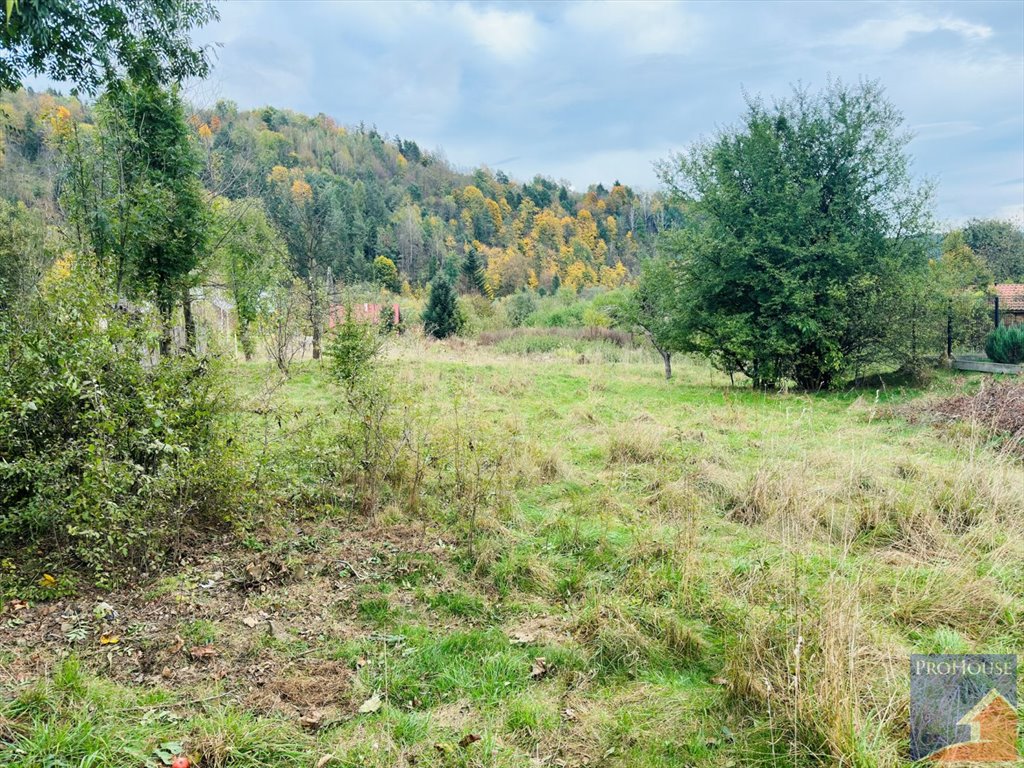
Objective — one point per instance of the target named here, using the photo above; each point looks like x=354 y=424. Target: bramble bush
x=1005 y=344
x=106 y=457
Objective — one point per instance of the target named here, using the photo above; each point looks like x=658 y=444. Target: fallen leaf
x=18 y=605
x=108 y=638
x=166 y=673
x=177 y=645
x=255 y=571
x=522 y=638
x=324 y=760
x=47 y=582
x=469 y=738
x=372 y=704
x=719 y=681
x=203 y=652
x=569 y=713
x=539 y=668
x=311 y=721
x=250 y=621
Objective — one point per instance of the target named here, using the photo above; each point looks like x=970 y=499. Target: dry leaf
x=250 y=621
x=177 y=645
x=468 y=739
x=569 y=713
x=522 y=638
x=719 y=681
x=108 y=638
x=372 y=704
x=324 y=760
x=18 y=605
x=166 y=673
x=539 y=668
x=312 y=720
x=203 y=652
x=47 y=582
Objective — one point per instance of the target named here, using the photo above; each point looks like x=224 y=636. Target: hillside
x=383 y=195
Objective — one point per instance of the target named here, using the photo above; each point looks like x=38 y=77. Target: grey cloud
x=596 y=92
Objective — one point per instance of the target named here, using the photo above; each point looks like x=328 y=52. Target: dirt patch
x=544 y=630
x=254 y=620
x=303 y=687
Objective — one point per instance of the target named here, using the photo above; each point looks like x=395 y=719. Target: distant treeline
x=365 y=194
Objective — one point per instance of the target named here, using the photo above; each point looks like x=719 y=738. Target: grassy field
x=567 y=561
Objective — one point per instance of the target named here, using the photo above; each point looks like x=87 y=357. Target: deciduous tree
x=92 y=42
x=805 y=218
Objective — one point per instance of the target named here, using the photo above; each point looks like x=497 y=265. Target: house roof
x=1011 y=296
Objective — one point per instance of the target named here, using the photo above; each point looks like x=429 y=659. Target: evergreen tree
x=473 y=271
x=441 y=318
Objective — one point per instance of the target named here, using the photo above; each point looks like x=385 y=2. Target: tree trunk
x=245 y=339
x=667 y=359
x=190 y=320
x=166 y=330
x=316 y=340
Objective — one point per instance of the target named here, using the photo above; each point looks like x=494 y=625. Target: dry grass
x=639 y=442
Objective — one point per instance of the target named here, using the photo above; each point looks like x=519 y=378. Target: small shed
x=1009 y=303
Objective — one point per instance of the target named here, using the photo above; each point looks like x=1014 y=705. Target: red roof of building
x=1011 y=296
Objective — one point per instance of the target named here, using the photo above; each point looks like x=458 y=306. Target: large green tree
x=133 y=198
x=251 y=255
x=302 y=206
x=91 y=42
x=162 y=167
x=805 y=224
x=1000 y=244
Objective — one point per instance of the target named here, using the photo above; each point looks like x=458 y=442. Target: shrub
x=107 y=457
x=1006 y=344
x=352 y=349
x=385 y=274
x=520 y=307
x=370 y=441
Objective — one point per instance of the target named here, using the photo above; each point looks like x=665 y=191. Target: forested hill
x=367 y=194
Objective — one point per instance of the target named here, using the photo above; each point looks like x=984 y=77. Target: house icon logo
x=993 y=724
x=963 y=709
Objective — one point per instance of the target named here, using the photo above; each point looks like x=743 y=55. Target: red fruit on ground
x=180 y=762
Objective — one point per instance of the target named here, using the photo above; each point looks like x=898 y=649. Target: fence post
x=997 y=311
x=949 y=330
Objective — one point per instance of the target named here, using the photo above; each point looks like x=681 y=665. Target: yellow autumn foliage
x=302 y=193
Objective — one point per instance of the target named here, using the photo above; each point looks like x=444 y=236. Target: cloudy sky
x=596 y=92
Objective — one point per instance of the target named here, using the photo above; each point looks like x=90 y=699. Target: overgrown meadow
x=535 y=557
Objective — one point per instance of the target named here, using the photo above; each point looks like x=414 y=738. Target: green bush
x=520 y=307
x=1006 y=344
x=106 y=456
x=352 y=347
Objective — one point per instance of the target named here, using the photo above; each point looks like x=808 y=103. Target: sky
x=597 y=92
